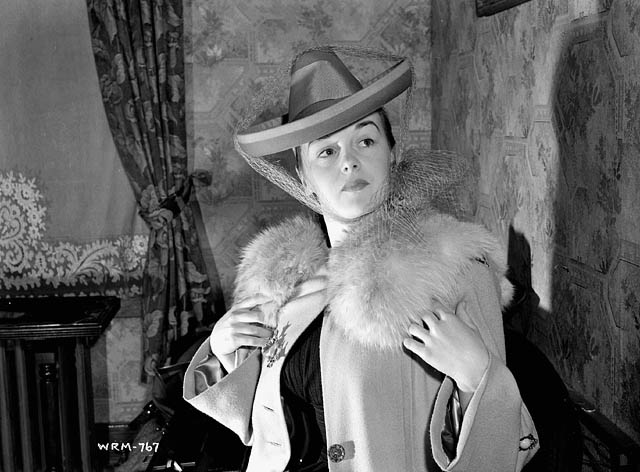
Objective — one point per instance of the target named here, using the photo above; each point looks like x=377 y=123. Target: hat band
x=316 y=107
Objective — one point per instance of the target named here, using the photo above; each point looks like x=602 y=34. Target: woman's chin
x=350 y=206
x=353 y=211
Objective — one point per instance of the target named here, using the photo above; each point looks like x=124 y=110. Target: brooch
x=276 y=347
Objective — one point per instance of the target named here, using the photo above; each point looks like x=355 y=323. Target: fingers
x=251 y=335
x=429 y=318
x=462 y=313
x=242 y=325
x=244 y=329
x=229 y=338
x=414 y=346
x=251 y=315
x=251 y=341
x=253 y=301
x=439 y=310
x=418 y=332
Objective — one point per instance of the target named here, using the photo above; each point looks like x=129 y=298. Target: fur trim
x=378 y=288
x=379 y=280
x=278 y=259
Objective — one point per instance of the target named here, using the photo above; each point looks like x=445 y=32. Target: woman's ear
x=300 y=172
x=305 y=185
x=297 y=151
x=300 y=175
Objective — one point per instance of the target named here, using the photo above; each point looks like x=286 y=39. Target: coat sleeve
x=497 y=432
x=226 y=398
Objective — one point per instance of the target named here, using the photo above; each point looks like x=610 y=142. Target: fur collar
x=379 y=281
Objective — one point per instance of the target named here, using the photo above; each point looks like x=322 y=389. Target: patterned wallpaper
x=545 y=97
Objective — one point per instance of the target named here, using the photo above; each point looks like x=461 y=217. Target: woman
x=386 y=351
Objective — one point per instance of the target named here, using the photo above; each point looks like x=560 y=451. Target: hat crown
x=318 y=79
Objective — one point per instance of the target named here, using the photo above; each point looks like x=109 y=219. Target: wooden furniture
x=607 y=447
x=46 y=399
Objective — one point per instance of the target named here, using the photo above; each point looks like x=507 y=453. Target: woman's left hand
x=450 y=345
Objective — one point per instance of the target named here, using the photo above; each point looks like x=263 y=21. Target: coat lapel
x=270 y=429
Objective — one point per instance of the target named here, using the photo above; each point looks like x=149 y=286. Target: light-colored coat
x=384 y=408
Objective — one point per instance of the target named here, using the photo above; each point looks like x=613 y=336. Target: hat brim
x=330 y=119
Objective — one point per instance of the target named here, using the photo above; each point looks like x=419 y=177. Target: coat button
x=336 y=453
x=528 y=442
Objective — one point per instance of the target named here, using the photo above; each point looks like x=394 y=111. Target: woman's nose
x=350 y=163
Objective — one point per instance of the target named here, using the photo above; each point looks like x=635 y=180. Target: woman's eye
x=328 y=152
x=366 y=142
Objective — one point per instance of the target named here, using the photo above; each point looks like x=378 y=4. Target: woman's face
x=349 y=169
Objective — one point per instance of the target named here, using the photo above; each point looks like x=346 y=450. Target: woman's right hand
x=241 y=326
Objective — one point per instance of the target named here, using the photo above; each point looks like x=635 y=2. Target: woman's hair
x=386 y=129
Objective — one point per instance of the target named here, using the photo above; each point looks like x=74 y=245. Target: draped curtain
x=138 y=52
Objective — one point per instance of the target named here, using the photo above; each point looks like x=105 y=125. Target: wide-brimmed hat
x=324 y=97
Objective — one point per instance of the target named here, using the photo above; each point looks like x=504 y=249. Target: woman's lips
x=355 y=185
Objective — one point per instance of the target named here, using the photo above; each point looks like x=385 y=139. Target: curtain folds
x=138 y=51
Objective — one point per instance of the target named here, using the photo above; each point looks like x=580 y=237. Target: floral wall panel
x=233 y=48
x=69 y=222
x=35 y=264
x=549 y=109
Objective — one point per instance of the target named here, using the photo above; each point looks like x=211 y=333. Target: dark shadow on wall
x=580 y=335
x=542 y=389
x=585 y=209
